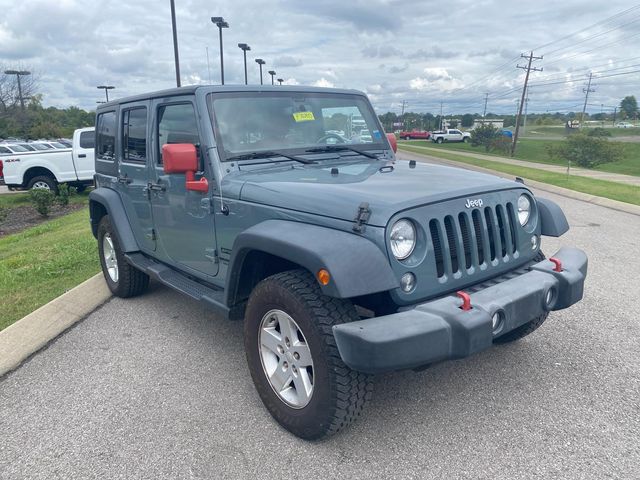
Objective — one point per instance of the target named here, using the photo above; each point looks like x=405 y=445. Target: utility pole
x=526 y=107
x=404 y=105
x=486 y=99
x=440 y=116
x=528 y=68
x=18 y=74
x=615 y=110
x=586 y=97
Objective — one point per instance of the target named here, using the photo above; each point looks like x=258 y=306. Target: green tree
x=485 y=135
x=629 y=107
x=586 y=151
x=467 y=120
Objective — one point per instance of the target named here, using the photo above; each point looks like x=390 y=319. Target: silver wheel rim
x=110 y=260
x=286 y=358
x=42 y=185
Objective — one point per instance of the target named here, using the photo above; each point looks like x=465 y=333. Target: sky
x=422 y=52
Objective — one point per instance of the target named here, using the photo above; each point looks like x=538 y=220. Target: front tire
x=122 y=279
x=293 y=358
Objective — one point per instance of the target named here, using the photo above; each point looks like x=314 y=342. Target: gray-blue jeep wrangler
x=286 y=207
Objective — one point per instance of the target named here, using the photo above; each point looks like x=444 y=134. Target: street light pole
x=219 y=21
x=280 y=80
x=272 y=73
x=18 y=74
x=175 y=43
x=106 y=89
x=260 y=62
x=244 y=47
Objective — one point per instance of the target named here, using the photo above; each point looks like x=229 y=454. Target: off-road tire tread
x=353 y=390
x=529 y=327
x=131 y=281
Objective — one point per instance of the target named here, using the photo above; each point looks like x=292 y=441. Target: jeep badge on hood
x=473 y=203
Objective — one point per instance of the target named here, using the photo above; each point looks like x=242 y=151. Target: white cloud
x=323 y=82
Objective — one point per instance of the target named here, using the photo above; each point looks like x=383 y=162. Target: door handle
x=126 y=180
x=82 y=155
x=156 y=187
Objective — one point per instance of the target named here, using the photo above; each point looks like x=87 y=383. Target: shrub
x=599 y=132
x=586 y=151
x=485 y=135
x=65 y=192
x=4 y=213
x=42 y=200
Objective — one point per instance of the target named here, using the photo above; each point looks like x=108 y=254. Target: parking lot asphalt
x=158 y=387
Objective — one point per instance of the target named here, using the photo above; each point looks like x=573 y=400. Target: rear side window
x=87 y=139
x=134 y=135
x=4 y=150
x=106 y=135
x=177 y=124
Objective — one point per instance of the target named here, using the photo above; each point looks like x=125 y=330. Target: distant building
x=496 y=122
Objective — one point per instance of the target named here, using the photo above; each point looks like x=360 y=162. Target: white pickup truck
x=450 y=135
x=46 y=169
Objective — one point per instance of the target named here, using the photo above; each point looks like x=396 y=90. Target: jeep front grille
x=480 y=238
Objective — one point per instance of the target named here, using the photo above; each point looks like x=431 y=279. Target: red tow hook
x=466 y=300
x=557 y=264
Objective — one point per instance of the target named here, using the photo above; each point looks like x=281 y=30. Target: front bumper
x=440 y=330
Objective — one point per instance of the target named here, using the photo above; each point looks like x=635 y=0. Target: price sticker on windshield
x=303 y=116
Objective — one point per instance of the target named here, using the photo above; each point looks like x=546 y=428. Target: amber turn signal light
x=323 y=276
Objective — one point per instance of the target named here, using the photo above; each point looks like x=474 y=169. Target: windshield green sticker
x=303 y=116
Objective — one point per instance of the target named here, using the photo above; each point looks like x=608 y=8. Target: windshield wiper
x=341 y=148
x=256 y=155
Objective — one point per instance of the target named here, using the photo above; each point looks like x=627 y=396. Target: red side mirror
x=183 y=158
x=393 y=141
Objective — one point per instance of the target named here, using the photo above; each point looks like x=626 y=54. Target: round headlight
x=524 y=209
x=402 y=238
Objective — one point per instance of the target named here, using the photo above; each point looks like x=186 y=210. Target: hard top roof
x=191 y=89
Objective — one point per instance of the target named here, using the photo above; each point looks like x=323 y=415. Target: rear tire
x=308 y=391
x=44 y=182
x=439 y=140
x=529 y=327
x=122 y=279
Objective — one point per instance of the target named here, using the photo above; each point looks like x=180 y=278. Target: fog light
x=408 y=282
x=549 y=298
x=496 y=321
x=534 y=242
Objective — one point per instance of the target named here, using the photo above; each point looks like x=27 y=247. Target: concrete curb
x=33 y=332
x=565 y=192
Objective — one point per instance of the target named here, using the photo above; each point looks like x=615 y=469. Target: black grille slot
x=488 y=215
x=437 y=247
x=466 y=238
x=478 y=227
x=451 y=238
x=502 y=227
x=512 y=223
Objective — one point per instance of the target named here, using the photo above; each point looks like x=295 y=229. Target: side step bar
x=171 y=278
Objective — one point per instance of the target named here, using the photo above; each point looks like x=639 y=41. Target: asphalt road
x=157 y=387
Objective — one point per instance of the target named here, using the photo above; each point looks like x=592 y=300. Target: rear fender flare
x=356 y=265
x=104 y=199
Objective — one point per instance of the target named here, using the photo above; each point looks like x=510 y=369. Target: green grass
x=532 y=150
x=601 y=188
x=42 y=262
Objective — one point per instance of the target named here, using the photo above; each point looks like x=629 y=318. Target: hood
x=387 y=187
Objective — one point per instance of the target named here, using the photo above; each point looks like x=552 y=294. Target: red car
x=421 y=134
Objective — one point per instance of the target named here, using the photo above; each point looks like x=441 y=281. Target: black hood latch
x=362 y=216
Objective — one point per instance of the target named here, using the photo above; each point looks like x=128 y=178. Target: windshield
x=274 y=121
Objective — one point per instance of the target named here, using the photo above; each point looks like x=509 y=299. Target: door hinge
x=211 y=254
x=362 y=216
x=151 y=235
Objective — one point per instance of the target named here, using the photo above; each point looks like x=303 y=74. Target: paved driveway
x=157 y=387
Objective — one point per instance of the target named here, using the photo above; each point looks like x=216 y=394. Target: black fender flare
x=110 y=201
x=356 y=265
x=552 y=220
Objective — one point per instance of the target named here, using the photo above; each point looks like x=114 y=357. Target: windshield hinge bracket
x=362 y=216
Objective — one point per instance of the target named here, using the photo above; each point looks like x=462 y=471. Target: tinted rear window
x=87 y=139
x=106 y=135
